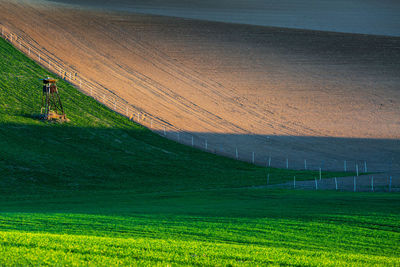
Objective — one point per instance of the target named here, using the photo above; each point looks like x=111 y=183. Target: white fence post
x=365 y=166
x=305 y=164
x=336 y=183
x=372 y=183
x=253 y=158
x=390 y=184
x=357 y=168
x=192 y=141
x=294 y=182
x=269 y=161
x=320 y=173
x=345 y=166
x=287 y=163
x=355 y=186
x=237 y=153
x=316 y=184
x=206 y=145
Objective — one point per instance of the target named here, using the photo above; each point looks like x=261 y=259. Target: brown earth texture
x=291 y=95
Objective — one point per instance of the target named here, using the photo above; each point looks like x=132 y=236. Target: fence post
x=390 y=184
x=372 y=184
x=345 y=166
x=294 y=182
x=336 y=183
x=253 y=158
x=237 y=153
x=305 y=164
x=206 y=145
x=357 y=169
x=316 y=184
x=355 y=186
x=287 y=163
x=320 y=173
x=365 y=166
x=269 y=161
x=192 y=141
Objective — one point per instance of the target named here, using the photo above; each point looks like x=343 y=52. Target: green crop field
x=101 y=190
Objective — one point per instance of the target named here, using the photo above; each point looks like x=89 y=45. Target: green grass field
x=101 y=190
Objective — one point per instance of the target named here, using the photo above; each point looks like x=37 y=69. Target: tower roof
x=49 y=80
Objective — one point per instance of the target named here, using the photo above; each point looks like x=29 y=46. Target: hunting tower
x=52 y=108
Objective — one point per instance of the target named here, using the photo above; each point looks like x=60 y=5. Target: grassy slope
x=103 y=190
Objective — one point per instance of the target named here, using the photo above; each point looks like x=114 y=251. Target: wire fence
x=364 y=183
x=32 y=49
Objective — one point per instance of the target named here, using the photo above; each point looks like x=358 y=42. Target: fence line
x=101 y=94
x=365 y=183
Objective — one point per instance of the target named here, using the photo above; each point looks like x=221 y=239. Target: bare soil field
x=351 y=16
x=298 y=94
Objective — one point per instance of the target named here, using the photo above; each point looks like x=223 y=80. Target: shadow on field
x=300 y=152
x=49 y=156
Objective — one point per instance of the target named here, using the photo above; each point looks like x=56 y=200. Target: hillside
x=101 y=190
x=99 y=149
x=356 y=16
x=321 y=96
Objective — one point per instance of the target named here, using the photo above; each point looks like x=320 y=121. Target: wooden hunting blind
x=52 y=108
